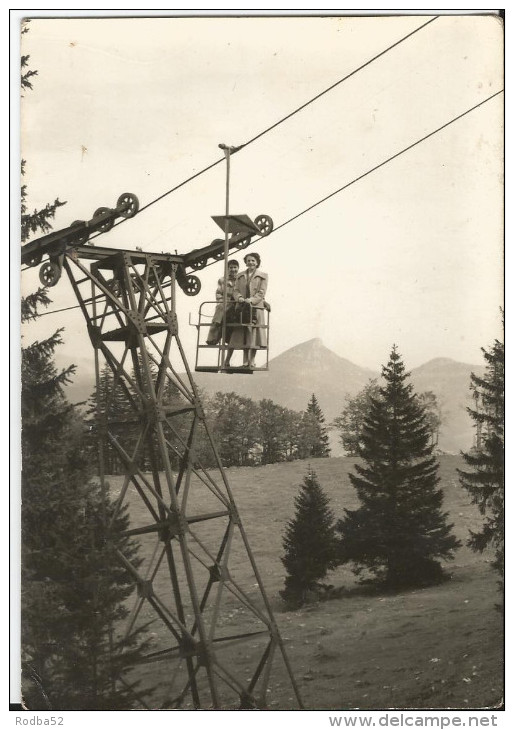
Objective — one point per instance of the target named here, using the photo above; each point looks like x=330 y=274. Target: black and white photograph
x=262 y=362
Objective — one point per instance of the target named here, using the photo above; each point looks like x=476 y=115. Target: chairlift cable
x=352 y=182
x=345 y=78
x=280 y=121
x=389 y=159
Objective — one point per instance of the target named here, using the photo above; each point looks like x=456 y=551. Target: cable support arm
x=77 y=234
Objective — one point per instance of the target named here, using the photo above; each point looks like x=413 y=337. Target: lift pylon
x=219 y=645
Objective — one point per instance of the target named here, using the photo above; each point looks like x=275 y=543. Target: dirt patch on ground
x=439 y=647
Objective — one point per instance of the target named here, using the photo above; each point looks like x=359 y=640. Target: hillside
x=438 y=647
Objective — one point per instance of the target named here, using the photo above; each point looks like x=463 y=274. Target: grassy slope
x=431 y=648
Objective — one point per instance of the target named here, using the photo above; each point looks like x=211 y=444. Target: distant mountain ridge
x=450 y=381
x=310 y=367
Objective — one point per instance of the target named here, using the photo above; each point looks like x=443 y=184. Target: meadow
x=437 y=647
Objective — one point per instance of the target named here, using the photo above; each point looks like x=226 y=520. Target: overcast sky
x=411 y=254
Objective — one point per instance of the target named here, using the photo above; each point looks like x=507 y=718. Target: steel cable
x=352 y=182
x=280 y=121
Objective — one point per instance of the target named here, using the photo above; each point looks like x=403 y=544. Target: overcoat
x=253 y=288
x=218 y=314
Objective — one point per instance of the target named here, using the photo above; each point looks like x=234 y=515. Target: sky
x=412 y=254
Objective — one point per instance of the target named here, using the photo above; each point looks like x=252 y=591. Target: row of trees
x=250 y=433
x=245 y=432
x=399 y=534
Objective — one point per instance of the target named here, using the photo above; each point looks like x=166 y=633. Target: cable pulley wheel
x=244 y=243
x=35 y=259
x=127 y=205
x=200 y=264
x=114 y=287
x=265 y=224
x=49 y=273
x=82 y=237
x=192 y=285
x=218 y=255
x=107 y=224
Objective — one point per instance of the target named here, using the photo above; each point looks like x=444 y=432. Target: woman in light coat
x=250 y=289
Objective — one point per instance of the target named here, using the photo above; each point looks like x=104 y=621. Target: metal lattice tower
x=223 y=640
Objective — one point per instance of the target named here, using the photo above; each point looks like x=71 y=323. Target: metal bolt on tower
x=218 y=638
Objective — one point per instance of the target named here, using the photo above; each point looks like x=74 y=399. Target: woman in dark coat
x=250 y=289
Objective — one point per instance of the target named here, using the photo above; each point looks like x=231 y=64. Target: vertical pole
x=225 y=268
x=100 y=421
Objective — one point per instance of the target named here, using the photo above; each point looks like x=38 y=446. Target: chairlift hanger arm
x=241 y=228
x=76 y=236
x=74 y=239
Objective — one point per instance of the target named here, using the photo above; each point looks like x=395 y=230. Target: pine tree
x=72 y=591
x=486 y=480
x=314 y=439
x=350 y=421
x=105 y=400
x=46 y=467
x=72 y=587
x=309 y=542
x=399 y=531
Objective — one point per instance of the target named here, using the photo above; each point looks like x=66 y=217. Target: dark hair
x=255 y=256
x=233 y=261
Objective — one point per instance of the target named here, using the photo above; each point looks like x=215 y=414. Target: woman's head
x=252 y=260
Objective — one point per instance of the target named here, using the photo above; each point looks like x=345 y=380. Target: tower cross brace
x=151 y=421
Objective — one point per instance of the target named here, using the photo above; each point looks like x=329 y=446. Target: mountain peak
x=440 y=361
x=446 y=364
x=315 y=344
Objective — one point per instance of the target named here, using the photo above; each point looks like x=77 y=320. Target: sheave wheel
x=49 y=274
x=82 y=237
x=221 y=253
x=129 y=205
x=192 y=285
x=200 y=264
x=265 y=224
x=244 y=243
x=35 y=259
x=107 y=224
